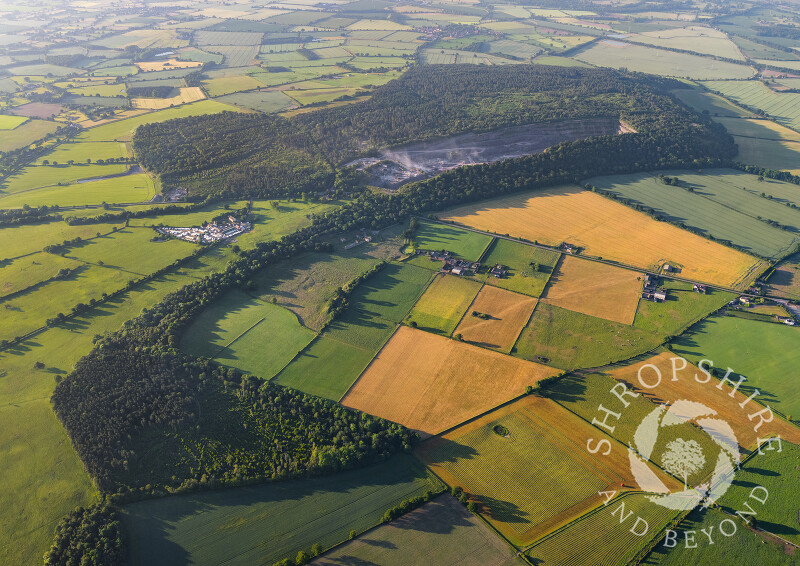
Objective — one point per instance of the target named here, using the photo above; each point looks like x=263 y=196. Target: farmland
x=715 y=397
x=441 y=528
x=43 y=176
x=578 y=543
x=240 y=525
x=595 y=289
x=588 y=220
x=785 y=280
x=495 y=318
x=27 y=133
x=464 y=244
x=445 y=383
x=542 y=441
x=11 y=122
x=724 y=204
x=29 y=270
x=618 y=54
x=444 y=303
x=528 y=268
x=80 y=152
x=783 y=107
x=699 y=39
x=716 y=106
x=761 y=351
x=184 y=96
x=123 y=189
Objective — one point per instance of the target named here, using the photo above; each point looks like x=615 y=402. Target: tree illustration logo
x=683 y=458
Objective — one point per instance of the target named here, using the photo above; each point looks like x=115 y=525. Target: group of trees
x=28 y=215
x=89 y=536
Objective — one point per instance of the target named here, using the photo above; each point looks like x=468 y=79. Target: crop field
x=586 y=219
x=444 y=303
x=29 y=270
x=230 y=84
x=235 y=55
x=37 y=110
x=442 y=528
x=128 y=188
x=452 y=56
x=184 y=96
x=227 y=38
x=123 y=129
x=784 y=107
x=26 y=134
x=763 y=352
x=538 y=441
x=688 y=387
x=80 y=152
x=378 y=305
x=579 y=543
x=618 y=54
x=431 y=383
x=326 y=368
x=699 y=39
x=529 y=268
x=463 y=243
x=757 y=548
x=722 y=204
x=508 y=312
x=596 y=289
x=757 y=128
x=263 y=101
x=263 y=524
x=44 y=176
x=770 y=154
x=778 y=473
x=169 y=64
x=11 y=122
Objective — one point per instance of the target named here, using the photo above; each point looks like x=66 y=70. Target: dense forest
x=268 y=156
x=89 y=536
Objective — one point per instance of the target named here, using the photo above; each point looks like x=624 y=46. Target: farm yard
x=445 y=381
x=596 y=289
x=590 y=221
x=495 y=318
x=538 y=441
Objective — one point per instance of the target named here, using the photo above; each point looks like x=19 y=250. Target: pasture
x=167 y=64
x=724 y=204
x=263 y=101
x=528 y=268
x=22 y=240
x=378 y=305
x=544 y=445
x=123 y=189
x=265 y=523
x=442 y=528
x=688 y=387
x=80 y=152
x=444 y=382
x=596 y=289
x=784 y=106
x=444 y=303
x=770 y=154
x=618 y=54
x=34 y=177
x=700 y=39
x=220 y=86
x=30 y=270
x=495 y=318
x=463 y=243
x=599 y=538
x=586 y=219
x=26 y=134
x=326 y=368
x=763 y=352
x=701 y=101
x=11 y=122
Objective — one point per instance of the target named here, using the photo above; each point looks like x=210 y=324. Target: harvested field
x=586 y=219
x=596 y=289
x=507 y=314
x=710 y=394
x=430 y=383
x=544 y=445
x=169 y=64
x=442 y=528
x=444 y=303
x=186 y=95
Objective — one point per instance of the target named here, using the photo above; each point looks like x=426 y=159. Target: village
x=207 y=234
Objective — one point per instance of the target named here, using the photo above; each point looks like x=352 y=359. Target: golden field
x=508 y=314
x=187 y=94
x=147 y=66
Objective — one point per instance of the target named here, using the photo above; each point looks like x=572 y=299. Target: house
x=667 y=268
x=569 y=248
x=498 y=271
x=789 y=321
x=699 y=288
x=745 y=301
x=456 y=271
x=660 y=295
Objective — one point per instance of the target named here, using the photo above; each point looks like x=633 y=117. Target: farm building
x=652 y=291
x=498 y=271
x=698 y=288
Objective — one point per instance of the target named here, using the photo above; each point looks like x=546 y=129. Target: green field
x=263 y=101
x=445 y=301
x=702 y=101
x=11 y=122
x=30 y=270
x=123 y=129
x=784 y=107
x=765 y=353
x=724 y=204
x=80 y=152
x=326 y=368
x=123 y=189
x=44 y=176
x=599 y=538
x=463 y=243
x=22 y=240
x=442 y=528
x=770 y=154
x=27 y=133
x=378 y=305
x=517 y=258
x=571 y=340
x=699 y=39
x=265 y=523
x=778 y=473
x=618 y=54
x=724 y=551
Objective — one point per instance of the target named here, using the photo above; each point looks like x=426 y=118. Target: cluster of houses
x=652 y=291
x=207 y=234
x=450 y=263
x=362 y=237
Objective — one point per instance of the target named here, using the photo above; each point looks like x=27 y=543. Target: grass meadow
x=27 y=271
x=265 y=523
x=517 y=259
x=81 y=151
x=44 y=176
x=26 y=134
x=23 y=240
x=124 y=189
x=463 y=243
